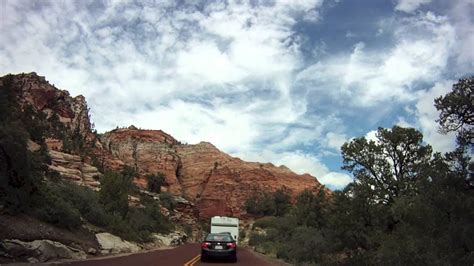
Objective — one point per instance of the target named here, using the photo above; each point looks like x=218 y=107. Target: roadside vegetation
x=28 y=187
x=406 y=206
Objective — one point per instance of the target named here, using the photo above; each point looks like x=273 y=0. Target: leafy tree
x=282 y=200
x=114 y=191
x=18 y=176
x=457 y=110
x=457 y=115
x=20 y=169
x=155 y=182
x=310 y=208
x=268 y=203
x=389 y=166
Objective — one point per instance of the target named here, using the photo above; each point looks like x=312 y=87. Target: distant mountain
x=217 y=183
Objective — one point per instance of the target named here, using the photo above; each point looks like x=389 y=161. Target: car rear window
x=223 y=237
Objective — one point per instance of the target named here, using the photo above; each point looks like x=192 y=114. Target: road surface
x=186 y=255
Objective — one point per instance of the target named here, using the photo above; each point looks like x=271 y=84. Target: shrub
x=256 y=239
x=268 y=203
x=266 y=222
x=51 y=207
x=155 y=182
x=86 y=201
x=167 y=201
x=114 y=191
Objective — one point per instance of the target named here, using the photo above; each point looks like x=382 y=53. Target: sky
x=286 y=82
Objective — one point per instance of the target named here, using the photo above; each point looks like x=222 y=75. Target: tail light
x=205 y=244
x=231 y=245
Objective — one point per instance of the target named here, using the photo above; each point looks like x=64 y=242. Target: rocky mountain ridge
x=214 y=181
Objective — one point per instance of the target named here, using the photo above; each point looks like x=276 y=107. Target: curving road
x=186 y=255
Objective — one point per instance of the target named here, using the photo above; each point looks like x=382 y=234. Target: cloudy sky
x=286 y=82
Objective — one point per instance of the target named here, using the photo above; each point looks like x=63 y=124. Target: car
x=219 y=246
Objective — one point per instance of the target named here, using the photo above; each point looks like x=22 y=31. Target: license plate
x=218 y=247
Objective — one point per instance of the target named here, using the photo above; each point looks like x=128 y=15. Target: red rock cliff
x=216 y=182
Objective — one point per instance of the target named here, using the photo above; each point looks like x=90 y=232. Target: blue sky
x=286 y=82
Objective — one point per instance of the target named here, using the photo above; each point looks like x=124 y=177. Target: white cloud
x=426 y=115
x=335 y=140
x=410 y=5
x=372 y=135
x=369 y=77
x=461 y=17
x=336 y=180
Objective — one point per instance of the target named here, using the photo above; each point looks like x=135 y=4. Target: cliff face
x=63 y=117
x=220 y=184
x=34 y=91
x=217 y=183
x=149 y=151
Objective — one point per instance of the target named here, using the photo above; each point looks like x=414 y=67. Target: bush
x=268 y=203
x=167 y=201
x=114 y=191
x=86 y=201
x=256 y=239
x=266 y=222
x=51 y=207
x=155 y=182
x=140 y=223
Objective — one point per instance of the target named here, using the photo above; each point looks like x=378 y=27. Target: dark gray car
x=219 y=246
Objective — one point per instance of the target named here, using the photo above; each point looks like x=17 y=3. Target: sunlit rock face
x=148 y=151
x=220 y=184
x=213 y=181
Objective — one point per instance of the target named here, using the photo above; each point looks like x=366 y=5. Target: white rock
x=113 y=244
x=40 y=250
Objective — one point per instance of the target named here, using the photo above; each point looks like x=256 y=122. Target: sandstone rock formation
x=217 y=182
x=71 y=167
x=149 y=151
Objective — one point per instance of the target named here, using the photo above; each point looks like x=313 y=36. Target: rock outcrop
x=39 y=250
x=36 y=92
x=111 y=244
x=172 y=239
x=149 y=151
x=72 y=168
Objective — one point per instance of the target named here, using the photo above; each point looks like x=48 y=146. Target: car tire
x=203 y=258
x=234 y=259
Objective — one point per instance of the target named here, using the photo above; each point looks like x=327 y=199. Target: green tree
x=457 y=115
x=389 y=166
x=310 y=208
x=18 y=177
x=114 y=191
x=282 y=201
x=268 y=203
x=154 y=182
x=20 y=169
x=457 y=110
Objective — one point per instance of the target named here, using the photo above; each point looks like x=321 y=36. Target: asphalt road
x=186 y=255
